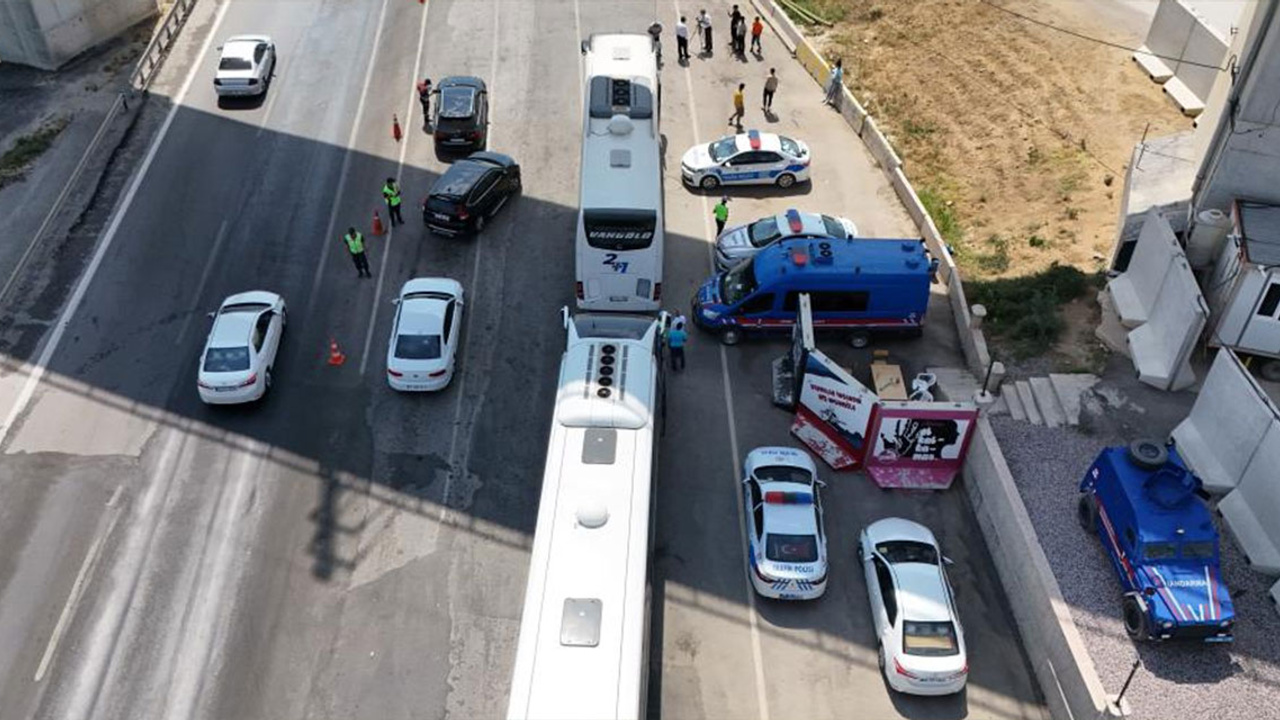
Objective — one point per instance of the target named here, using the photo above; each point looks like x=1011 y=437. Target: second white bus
x=619 y=235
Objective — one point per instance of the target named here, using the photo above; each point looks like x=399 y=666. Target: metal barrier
x=159 y=46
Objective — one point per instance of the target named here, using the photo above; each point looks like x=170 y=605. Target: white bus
x=619 y=237
x=584 y=635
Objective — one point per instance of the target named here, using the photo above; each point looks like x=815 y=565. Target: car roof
x=920 y=592
x=422 y=316
x=894 y=528
x=242 y=45
x=1184 y=520
x=789 y=518
x=460 y=177
x=232 y=329
x=768 y=141
x=485 y=156
x=888 y=260
x=810 y=223
x=461 y=81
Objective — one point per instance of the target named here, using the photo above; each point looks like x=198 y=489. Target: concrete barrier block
x=1227 y=422
x=1183 y=97
x=1252 y=510
x=1170 y=28
x=853 y=112
x=879 y=146
x=1155 y=68
x=1134 y=291
x=1198 y=65
x=1161 y=348
x=812 y=62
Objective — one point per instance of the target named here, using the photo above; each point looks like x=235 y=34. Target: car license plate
x=440 y=216
x=619 y=298
x=224 y=389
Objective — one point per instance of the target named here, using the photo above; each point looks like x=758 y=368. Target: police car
x=750 y=158
x=786 y=541
x=738 y=243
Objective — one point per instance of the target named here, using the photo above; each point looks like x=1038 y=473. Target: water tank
x=1206 y=238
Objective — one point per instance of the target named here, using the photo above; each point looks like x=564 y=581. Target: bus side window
x=760 y=303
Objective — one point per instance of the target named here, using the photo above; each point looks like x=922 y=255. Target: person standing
x=740 y=39
x=676 y=338
x=835 y=82
x=704 y=28
x=757 y=29
x=770 y=87
x=735 y=22
x=391 y=193
x=739 y=107
x=721 y=212
x=424 y=97
x=355 y=245
x=682 y=41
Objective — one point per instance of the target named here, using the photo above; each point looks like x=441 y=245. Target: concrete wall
x=1062 y=664
x=1161 y=348
x=1134 y=291
x=1185 y=42
x=1252 y=510
x=48 y=33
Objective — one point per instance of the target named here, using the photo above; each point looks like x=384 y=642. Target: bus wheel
x=859 y=339
x=731 y=336
x=786 y=180
x=710 y=182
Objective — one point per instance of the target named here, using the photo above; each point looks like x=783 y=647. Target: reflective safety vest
x=392 y=194
x=721 y=211
x=355 y=243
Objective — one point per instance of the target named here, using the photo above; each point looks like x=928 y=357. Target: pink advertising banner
x=918 y=445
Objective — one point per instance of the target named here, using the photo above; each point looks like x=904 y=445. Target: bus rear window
x=619 y=229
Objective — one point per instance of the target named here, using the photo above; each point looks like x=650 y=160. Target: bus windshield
x=619 y=229
x=738 y=283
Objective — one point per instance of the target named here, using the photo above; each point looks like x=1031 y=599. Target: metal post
x=1124 y=688
x=987 y=379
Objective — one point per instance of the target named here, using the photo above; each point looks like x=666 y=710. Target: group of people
x=354 y=239
x=737 y=34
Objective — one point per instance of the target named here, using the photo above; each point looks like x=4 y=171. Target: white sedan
x=246 y=66
x=750 y=158
x=786 y=541
x=920 y=642
x=738 y=243
x=424 y=336
x=235 y=366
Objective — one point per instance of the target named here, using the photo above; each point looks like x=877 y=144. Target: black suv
x=462 y=114
x=470 y=192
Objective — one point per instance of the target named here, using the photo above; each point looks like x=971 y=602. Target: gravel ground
x=1236 y=682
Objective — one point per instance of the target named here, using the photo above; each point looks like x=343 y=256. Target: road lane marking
x=753 y=615
x=346 y=166
x=87 y=567
x=204 y=278
x=404 y=148
x=82 y=286
x=454 y=461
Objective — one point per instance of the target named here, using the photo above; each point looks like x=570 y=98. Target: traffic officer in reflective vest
x=391 y=193
x=355 y=244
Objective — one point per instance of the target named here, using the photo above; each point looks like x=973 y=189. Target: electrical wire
x=1100 y=41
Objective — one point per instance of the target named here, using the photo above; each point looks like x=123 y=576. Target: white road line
x=329 y=238
x=82 y=286
x=204 y=278
x=471 y=288
x=404 y=149
x=753 y=615
x=77 y=588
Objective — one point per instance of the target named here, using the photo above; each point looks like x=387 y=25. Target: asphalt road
x=343 y=551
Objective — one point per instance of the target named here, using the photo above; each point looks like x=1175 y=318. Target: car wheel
x=880 y=657
x=1270 y=370
x=1135 y=620
x=1087 y=512
x=481 y=221
x=710 y=182
x=786 y=180
x=731 y=336
x=859 y=339
x=1148 y=454
x=266 y=382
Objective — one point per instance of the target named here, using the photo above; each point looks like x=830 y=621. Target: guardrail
x=159 y=46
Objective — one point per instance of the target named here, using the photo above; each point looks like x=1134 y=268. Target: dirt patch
x=1021 y=132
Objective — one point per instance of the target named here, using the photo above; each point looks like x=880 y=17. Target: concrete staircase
x=1053 y=401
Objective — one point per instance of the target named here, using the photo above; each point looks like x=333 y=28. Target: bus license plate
x=619 y=298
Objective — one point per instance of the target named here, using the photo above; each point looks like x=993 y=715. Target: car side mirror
x=211 y=314
x=394 y=301
x=586 y=45
x=821 y=484
x=948 y=560
x=219 y=48
x=564 y=316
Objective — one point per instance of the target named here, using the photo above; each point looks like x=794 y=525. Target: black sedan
x=470 y=192
x=461 y=114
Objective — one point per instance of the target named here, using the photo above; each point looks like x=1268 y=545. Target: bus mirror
x=564 y=316
x=586 y=45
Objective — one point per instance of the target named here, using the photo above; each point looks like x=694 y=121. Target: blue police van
x=856 y=286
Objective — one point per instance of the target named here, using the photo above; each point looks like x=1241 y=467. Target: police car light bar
x=794 y=221
x=754 y=137
x=782 y=497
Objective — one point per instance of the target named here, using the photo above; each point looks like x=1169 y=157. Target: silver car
x=736 y=244
x=245 y=67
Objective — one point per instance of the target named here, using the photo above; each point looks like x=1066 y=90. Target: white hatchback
x=424 y=336
x=786 y=541
x=920 y=642
x=246 y=66
x=236 y=364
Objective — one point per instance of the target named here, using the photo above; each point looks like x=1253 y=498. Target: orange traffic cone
x=395 y=128
x=335 y=355
x=377 y=224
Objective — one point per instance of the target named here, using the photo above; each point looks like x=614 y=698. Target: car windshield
x=764 y=231
x=783 y=473
x=418 y=347
x=457 y=102
x=235 y=63
x=834 y=227
x=929 y=638
x=908 y=551
x=1199 y=550
x=226 y=359
x=738 y=283
x=791 y=548
x=1159 y=551
x=789 y=146
x=723 y=149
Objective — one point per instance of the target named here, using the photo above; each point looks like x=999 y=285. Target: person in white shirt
x=704 y=27
x=682 y=41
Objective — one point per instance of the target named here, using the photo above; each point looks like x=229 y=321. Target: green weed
x=27 y=148
x=1025 y=310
